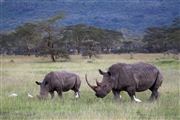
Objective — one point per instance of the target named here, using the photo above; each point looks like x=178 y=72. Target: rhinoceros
x=131 y=78
x=60 y=82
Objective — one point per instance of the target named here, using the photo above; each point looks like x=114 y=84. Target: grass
x=20 y=75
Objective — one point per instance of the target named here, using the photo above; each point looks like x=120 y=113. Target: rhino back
x=61 y=80
x=140 y=75
x=68 y=80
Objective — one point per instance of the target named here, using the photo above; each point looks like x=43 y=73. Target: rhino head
x=102 y=88
x=43 y=90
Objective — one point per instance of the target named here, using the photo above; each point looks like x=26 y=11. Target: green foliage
x=104 y=39
x=90 y=48
x=27 y=36
x=7 y=41
x=51 y=42
x=159 y=39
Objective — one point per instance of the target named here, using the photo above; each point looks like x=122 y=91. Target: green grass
x=20 y=76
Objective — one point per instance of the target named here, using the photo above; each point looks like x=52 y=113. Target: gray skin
x=131 y=78
x=59 y=82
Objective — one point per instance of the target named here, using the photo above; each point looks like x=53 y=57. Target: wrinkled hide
x=129 y=77
x=59 y=82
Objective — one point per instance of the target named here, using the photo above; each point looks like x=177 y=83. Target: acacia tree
x=7 y=42
x=81 y=34
x=78 y=36
x=173 y=34
x=90 y=48
x=159 y=39
x=26 y=37
x=51 y=39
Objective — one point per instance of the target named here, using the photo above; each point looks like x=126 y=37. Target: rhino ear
x=101 y=72
x=38 y=83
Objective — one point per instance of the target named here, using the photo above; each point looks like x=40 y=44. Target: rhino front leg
x=52 y=94
x=60 y=94
x=116 y=94
x=131 y=93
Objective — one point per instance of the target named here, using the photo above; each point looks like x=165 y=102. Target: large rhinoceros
x=59 y=82
x=129 y=77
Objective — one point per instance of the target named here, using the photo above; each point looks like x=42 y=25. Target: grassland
x=19 y=73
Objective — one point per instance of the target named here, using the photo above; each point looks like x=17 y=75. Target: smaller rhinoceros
x=59 y=82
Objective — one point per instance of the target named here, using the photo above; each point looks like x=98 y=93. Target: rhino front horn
x=92 y=87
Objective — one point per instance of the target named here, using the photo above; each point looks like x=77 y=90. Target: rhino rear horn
x=38 y=83
x=101 y=72
x=92 y=87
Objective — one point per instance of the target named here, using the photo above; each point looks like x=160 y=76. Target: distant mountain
x=134 y=15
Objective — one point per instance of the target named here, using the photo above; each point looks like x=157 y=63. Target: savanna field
x=19 y=73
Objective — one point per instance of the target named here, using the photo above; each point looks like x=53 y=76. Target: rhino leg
x=77 y=95
x=116 y=94
x=60 y=94
x=76 y=89
x=76 y=92
x=52 y=94
x=154 y=95
x=131 y=93
x=155 y=87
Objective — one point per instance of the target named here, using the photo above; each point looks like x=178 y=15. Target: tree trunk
x=90 y=56
x=53 y=58
x=78 y=50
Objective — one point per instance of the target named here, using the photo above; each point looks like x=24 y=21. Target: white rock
x=13 y=95
x=30 y=96
x=136 y=99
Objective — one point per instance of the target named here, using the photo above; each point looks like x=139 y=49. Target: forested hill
x=135 y=15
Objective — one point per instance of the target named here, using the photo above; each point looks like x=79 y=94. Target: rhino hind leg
x=155 y=87
x=77 y=94
x=76 y=91
x=154 y=94
x=154 y=90
x=76 y=87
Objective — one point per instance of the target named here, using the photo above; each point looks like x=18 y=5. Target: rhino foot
x=77 y=95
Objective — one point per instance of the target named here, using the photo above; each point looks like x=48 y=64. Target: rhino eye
x=109 y=73
x=45 y=83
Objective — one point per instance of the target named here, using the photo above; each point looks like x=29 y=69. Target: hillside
x=134 y=15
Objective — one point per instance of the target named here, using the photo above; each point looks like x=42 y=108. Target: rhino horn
x=92 y=87
x=98 y=83
x=38 y=83
x=101 y=72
